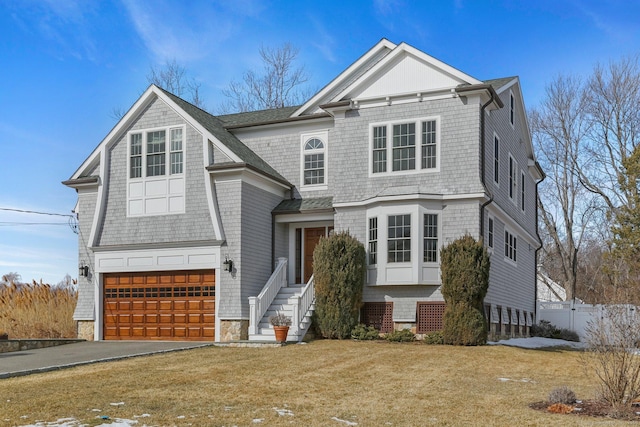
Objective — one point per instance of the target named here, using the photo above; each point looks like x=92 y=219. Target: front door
x=311 y=238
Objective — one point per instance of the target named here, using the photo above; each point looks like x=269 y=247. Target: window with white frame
x=379 y=149
x=399 y=238
x=522 y=190
x=314 y=161
x=490 y=232
x=512 y=108
x=496 y=159
x=156 y=171
x=405 y=147
x=430 y=238
x=510 y=246
x=373 y=241
x=513 y=179
x=429 y=144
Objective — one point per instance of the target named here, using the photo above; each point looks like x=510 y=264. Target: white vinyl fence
x=569 y=315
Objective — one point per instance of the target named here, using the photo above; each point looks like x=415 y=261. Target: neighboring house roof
x=499 y=83
x=549 y=290
x=304 y=205
x=253 y=117
x=217 y=129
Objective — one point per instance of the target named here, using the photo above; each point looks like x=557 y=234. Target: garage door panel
x=161 y=306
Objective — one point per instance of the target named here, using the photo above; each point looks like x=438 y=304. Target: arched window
x=314 y=162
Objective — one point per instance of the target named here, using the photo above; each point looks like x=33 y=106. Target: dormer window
x=314 y=161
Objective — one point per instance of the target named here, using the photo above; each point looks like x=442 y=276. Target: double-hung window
x=510 y=246
x=522 y=191
x=156 y=155
x=399 y=238
x=430 y=238
x=404 y=147
x=490 y=233
x=496 y=159
x=373 y=241
x=512 y=109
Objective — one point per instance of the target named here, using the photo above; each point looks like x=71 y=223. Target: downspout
x=535 y=271
x=482 y=160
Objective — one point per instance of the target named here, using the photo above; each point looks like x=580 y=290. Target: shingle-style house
x=197 y=227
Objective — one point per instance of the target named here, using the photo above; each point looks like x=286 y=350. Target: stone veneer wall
x=234 y=330
x=85 y=329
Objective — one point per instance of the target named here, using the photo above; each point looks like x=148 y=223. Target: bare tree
x=11 y=278
x=173 y=77
x=278 y=85
x=566 y=209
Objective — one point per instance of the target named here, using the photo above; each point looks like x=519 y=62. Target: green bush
x=403 y=335
x=339 y=271
x=464 y=265
x=433 y=338
x=364 y=333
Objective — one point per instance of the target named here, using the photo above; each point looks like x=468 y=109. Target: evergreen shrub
x=339 y=271
x=464 y=265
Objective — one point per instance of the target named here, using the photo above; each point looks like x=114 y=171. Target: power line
x=35 y=212
x=9 y=224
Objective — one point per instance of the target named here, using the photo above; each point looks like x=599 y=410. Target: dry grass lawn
x=368 y=383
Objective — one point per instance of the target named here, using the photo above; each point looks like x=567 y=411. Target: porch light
x=83 y=270
x=227 y=265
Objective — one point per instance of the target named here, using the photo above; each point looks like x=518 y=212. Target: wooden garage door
x=170 y=305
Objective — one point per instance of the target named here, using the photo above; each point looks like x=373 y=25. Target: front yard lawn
x=318 y=384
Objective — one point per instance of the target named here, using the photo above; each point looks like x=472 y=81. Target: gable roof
x=216 y=127
x=197 y=117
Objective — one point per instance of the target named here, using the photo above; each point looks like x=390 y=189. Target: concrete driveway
x=27 y=362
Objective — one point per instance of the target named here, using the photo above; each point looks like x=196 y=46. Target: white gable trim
x=317 y=98
x=401 y=49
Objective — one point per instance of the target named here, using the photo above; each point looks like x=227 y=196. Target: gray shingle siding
x=256 y=224
x=85 y=309
x=194 y=225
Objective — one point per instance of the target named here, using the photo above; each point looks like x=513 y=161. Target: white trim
x=508 y=221
x=303 y=217
x=323 y=136
x=344 y=76
x=408 y=197
x=246 y=175
x=417 y=121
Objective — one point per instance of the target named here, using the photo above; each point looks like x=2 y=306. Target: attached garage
x=168 y=305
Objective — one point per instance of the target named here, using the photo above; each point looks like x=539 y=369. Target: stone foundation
x=85 y=329
x=233 y=330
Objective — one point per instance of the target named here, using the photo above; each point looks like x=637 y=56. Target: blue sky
x=67 y=64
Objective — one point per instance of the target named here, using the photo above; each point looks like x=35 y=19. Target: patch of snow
x=349 y=423
x=142 y=416
x=283 y=412
x=120 y=422
x=181 y=417
x=258 y=420
x=523 y=380
x=538 y=342
x=117 y=404
x=96 y=410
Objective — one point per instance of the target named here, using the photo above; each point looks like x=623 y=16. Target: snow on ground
x=538 y=342
x=533 y=342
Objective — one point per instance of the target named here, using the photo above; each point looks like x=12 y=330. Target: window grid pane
x=399 y=238
x=136 y=156
x=429 y=144
x=379 y=149
x=314 y=169
x=510 y=246
x=373 y=241
x=156 y=153
x=430 y=238
x=404 y=150
x=176 y=157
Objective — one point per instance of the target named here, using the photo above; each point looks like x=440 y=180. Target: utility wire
x=35 y=212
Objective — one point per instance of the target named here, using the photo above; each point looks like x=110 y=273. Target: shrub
x=562 y=395
x=339 y=269
x=403 y=335
x=611 y=354
x=363 y=333
x=546 y=329
x=465 y=279
x=433 y=338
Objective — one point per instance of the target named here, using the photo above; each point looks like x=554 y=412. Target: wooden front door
x=311 y=238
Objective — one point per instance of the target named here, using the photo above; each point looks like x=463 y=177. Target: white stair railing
x=301 y=306
x=259 y=305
